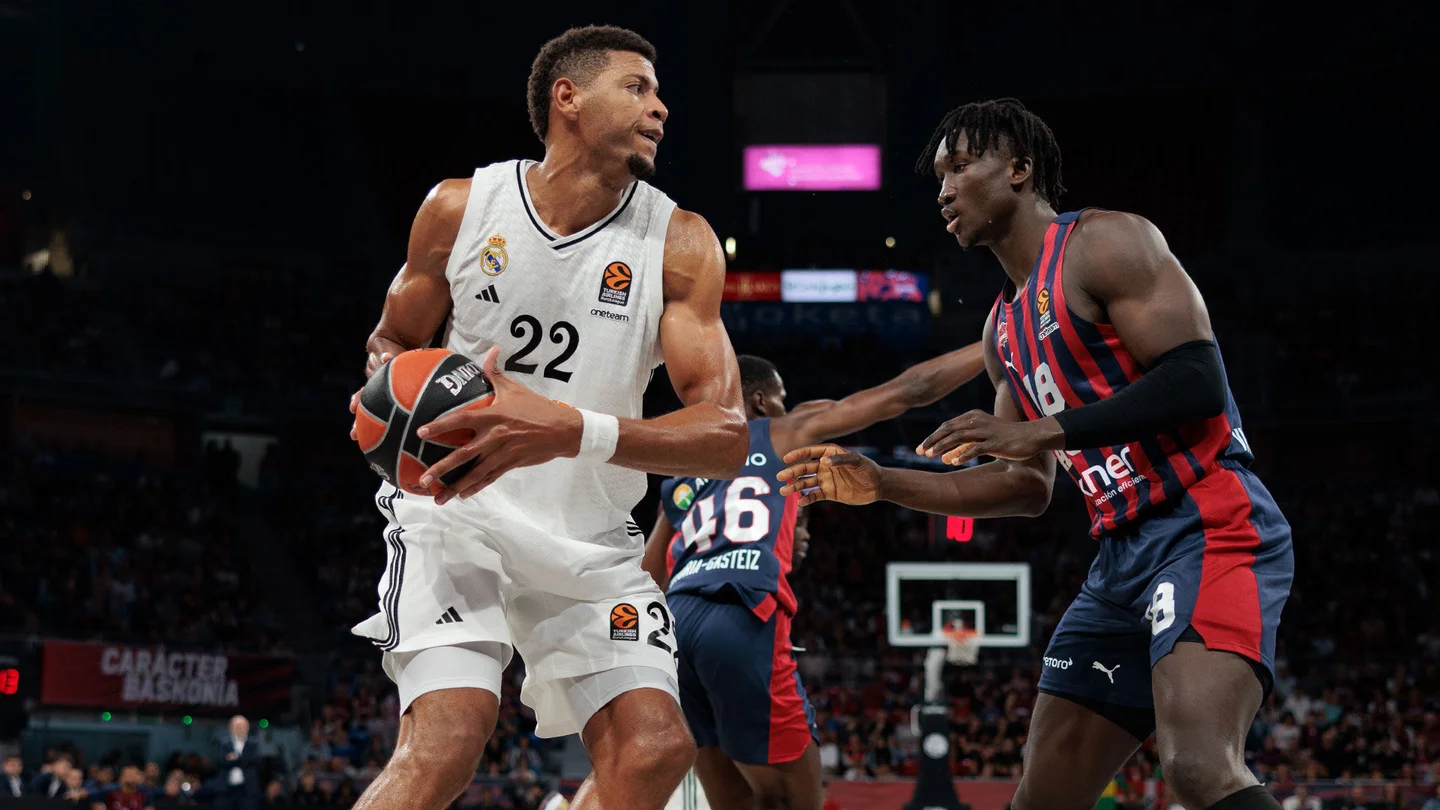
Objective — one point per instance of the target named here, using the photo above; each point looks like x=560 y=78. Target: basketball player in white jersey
x=573 y=279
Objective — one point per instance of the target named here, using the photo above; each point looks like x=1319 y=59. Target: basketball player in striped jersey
x=724 y=550
x=573 y=279
x=1103 y=360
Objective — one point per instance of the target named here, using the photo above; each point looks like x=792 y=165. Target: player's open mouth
x=953 y=224
x=653 y=137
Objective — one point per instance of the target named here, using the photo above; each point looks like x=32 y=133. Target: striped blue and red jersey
x=1053 y=359
x=736 y=534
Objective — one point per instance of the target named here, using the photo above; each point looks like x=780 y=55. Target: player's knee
x=1196 y=776
x=661 y=754
x=450 y=747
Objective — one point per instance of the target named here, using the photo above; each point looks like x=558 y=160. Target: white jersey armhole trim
x=655 y=294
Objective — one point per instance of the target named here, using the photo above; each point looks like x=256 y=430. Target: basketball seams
x=410 y=414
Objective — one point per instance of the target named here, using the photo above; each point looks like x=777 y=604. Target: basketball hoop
x=962 y=646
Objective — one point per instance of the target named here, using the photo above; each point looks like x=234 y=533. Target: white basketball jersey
x=577 y=319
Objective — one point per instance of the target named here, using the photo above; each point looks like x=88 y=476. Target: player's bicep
x=419 y=297
x=698 y=355
x=1148 y=297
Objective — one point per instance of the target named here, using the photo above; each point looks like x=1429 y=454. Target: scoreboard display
x=19 y=684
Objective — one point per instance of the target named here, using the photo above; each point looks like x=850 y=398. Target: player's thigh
x=448 y=725
x=1072 y=753
x=1215 y=611
x=762 y=713
x=726 y=788
x=1205 y=702
x=639 y=734
x=1094 y=709
x=794 y=785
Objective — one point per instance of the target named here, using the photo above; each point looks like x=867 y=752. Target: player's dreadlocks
x=989 y=124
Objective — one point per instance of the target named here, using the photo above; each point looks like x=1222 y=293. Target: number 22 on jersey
x=700 y=524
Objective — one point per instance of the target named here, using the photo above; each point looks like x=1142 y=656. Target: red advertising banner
x=752 y=287
x=129 y=676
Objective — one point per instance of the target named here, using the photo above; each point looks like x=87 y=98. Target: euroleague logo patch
x=615 y=284
x=624 y=623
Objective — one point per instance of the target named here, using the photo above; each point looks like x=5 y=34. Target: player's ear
x=1020 y=170
x=564 y=98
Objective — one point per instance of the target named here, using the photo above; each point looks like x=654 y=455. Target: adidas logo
x=489 y=294
x=449 y=617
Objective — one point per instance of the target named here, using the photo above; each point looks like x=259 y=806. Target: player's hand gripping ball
x=409 y=391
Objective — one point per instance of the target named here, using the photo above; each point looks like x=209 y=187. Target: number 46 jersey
x=577 y=319
x=735 y=534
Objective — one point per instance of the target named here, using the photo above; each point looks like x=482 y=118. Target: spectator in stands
x=13 y=786
x=318 y=751
x=344 y=795
x=523 y=754
x=1287 y=734
x=1356 y=800
x=171 y=796
x=307 y=792
x=75 y=789
x=127 y=795
x=51 y=782
x=274 y=796
x=1300 y=800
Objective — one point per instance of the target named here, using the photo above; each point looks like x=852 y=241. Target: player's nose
x=947 y=196
x=659 y=111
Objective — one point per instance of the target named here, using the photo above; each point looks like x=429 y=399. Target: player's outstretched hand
x=520 y=428
x=978 y=433
x=828 y=472
x=355 y=397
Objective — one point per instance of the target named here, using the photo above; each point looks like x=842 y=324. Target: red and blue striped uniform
x=729 y=562
x=1054 y=359
x=1192 y=546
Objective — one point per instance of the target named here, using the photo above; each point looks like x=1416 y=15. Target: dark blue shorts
x=739 y=685
x=1218 y=561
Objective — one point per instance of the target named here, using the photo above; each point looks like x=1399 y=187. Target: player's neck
x=570 y=193
x=1020 y=246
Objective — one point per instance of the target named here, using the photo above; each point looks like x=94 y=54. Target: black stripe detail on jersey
x=598 y=228
x=572 y=240
x=525 y=200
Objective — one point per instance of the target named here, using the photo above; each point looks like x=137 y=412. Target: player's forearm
x=994 y=489
x=378 y=346
x=925 y=383
x=703 y=440
x=654 y=560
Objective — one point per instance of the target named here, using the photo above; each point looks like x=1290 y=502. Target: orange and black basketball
x=411 y=391
x=624 y=616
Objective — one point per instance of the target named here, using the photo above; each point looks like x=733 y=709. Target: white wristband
x=598 y=437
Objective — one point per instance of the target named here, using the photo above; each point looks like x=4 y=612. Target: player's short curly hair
x=757 y=374
x=577 y=54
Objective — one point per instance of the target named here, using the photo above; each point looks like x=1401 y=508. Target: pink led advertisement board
x=852 y=167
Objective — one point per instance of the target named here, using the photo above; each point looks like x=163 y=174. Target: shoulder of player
x=447 y=200
x=692 y=252
x=1112 y=248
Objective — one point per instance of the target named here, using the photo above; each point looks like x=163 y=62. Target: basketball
x=410 y=391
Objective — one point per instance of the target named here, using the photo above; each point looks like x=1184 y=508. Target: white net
x=962 y=649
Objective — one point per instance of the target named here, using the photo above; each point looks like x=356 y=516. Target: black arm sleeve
x=1186 y=384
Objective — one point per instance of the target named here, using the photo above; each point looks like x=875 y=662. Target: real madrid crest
x=494 y=258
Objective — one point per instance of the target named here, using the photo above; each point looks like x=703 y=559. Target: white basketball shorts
x=469 y=572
